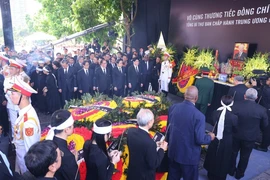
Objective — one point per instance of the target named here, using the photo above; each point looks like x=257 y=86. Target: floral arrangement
x=259 y=62
x=94 y=111
x=204 y=60
x=135 y=101
x=157 y=52
x=190 y=57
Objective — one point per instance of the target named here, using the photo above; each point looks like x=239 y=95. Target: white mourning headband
x=102 y=130
x=69 y=122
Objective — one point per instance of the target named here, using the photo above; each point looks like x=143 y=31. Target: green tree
x=63 y=17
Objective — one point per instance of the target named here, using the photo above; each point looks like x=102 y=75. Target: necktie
x=137 y=69
x=104 y=71
x=120 y=70
x=65 y=71
x=147 y=65
x=87 y=72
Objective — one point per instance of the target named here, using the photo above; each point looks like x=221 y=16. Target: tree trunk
x=128 y=35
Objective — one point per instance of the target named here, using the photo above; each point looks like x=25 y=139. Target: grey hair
x=144 y=116
x=251 y=94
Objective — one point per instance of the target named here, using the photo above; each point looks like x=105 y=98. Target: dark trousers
x=155 y=85
x=202 y=107
x=104 y=91
x=215 y=177
x=266 y=134
x=135 y=87
x=188 y=172
x=66 y=96
x=245 y=148
x=119 y=92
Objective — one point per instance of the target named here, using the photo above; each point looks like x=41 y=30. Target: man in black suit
x=144 y=155
x=238 y=91
x=112 y=64
x=71 y=62
x=251 y=117
x=265 y=103
x=79 y=64
x=119 y=79
x=135 y=77
x=146 y=67
x=85 y=78
x=67 y=81
x=141 y=54
x=102 y=78
x=94 y=64
x=129 y=53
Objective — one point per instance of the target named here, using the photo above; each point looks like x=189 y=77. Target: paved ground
x=259 y=162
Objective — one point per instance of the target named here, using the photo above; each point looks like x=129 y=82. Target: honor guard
x=14 y=71
x=165 y=74
x=4 y=66
x=27 y=126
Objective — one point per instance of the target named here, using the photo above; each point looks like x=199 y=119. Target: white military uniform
x=12 y=109
x=26 y=133
x=165 y=75
x=8 y=83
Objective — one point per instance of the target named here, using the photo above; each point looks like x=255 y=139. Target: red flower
x=82 y=170
x=84 y=132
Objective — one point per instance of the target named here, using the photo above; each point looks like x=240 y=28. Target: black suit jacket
x=266 y=97
x=251 y=117
x=110 y=66
x=67 y=81
x=133 y=77
x=141 y=55
x=4 y=172
x=146 y=73
x=129 y=55
x=102 y=80
x=118 y=78
x=85 y=82
x=143 y=155
x=69 y=166
x=77 y=66
x=239 y=91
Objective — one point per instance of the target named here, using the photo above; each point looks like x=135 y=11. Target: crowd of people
x=90 y=71
x=48 y=84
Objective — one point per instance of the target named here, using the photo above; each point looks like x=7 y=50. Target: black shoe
x=232 y=172
x=261 y=149
x=238 y=175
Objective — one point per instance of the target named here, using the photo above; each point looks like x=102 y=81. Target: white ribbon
x=44 y=69
x=69 y=122
x=102 y=130
x=221 y=121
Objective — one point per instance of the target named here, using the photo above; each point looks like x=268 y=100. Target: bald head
x=191 y=94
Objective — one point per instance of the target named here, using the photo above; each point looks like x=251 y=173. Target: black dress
x=98 y=164
x=69 y=167
x=52 y=96
x=41 y=99
x=155 y=76
x=217 y=161
x=34 y=83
